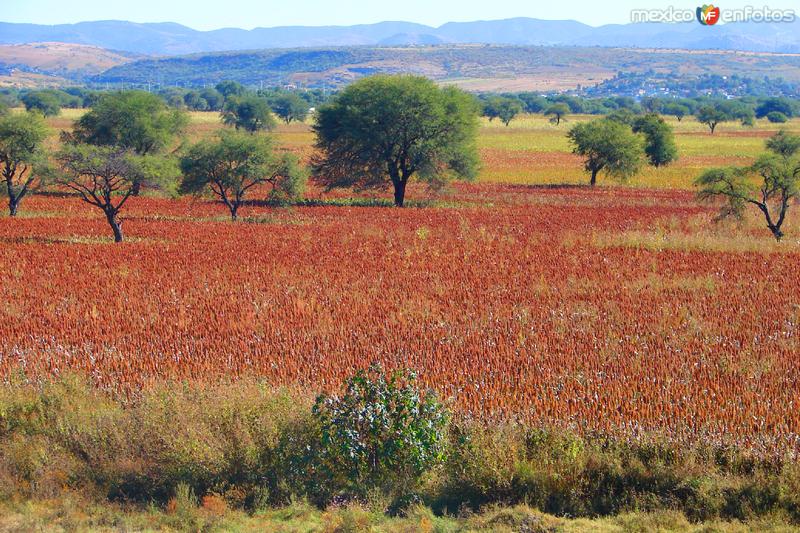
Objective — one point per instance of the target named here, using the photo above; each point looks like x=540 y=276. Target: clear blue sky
x=265 y=13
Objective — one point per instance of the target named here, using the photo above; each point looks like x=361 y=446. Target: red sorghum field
x=616 y=309
x=599 y=309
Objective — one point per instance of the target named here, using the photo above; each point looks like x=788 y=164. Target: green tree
x=675 y=109
x=775 y=104
x=711 y=116
x=21 y=154
x=502 y=107
x=623 y=116
x=213 y=98
x=236 y=162
x=383 y=433
x=290 y=107
x=532 y=102
x=557 y=112
x=194 y=101
x=45 y=102
x=659 y=145
x=106 y=176
x=249 y=113
x=386 y=129
x=784 y=144
x=778 y=173
x=130 y=120
x=229 y=89
x=607 y=146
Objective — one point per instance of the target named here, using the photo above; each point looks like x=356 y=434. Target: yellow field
x=532 y=151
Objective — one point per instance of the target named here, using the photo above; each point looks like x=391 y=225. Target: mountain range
x=169 y=38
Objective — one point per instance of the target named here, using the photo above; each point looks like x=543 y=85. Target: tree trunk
x=13 y=205
x=116 y=226
x=399 y=193
x=136 y=189
x=776 y=232
x=713 y=127
x=234 y=213
x=593 y=181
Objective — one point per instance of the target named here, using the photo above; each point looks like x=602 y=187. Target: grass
x=74 y=514
x=223 y=457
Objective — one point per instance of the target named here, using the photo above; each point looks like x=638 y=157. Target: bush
x=209 y=449
x=381 y=435
x=776 y=117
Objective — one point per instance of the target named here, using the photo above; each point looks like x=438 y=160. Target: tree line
x=294 y=104
x=380 y=131
x=708 y=111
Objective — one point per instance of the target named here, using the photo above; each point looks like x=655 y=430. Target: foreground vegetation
x=199 y=455
x=211 y=514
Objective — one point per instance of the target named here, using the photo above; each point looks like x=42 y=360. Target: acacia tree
x=503 y=108
x=607 y=146
x=21 y=156
x=711 y=116
x=385 y=129
x=659 y=146
x=779 y=173
x=45 y=102
x=105 y=177
x=290 y=107
x=134 y=121
x=675 y=109
x=249 y=113
x=235 y=163
x=557 y=112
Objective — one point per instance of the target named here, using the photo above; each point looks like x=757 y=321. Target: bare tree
x=106 y=177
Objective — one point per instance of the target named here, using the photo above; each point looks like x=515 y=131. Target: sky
x=248 y=14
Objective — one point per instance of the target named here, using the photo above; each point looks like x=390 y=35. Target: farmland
x=621 y=309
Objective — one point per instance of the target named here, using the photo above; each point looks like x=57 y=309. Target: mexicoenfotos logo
x=707 y=15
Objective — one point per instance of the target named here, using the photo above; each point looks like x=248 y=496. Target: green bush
x=776 y=117
x=381 y=435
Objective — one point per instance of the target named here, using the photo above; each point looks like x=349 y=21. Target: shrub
x=382 y=434
x=776 y=117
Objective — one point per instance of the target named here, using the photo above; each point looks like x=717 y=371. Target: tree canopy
x=383 y=130
x=250 y=113
x=45 y=102
x=130 y=120
x=502 y=107
x=711 y=116
x=21 y=155
x=235 y=163
x=659 y=146
x=290 y=107
x=608 y=146
x=557 y=112
x=230 y=88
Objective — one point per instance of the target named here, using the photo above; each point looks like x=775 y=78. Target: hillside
x=477 y=67
x=62 y=60
x=169 y=38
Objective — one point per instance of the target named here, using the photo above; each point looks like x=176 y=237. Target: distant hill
x=169 y=38
x=61 y=59
x=475 y=67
